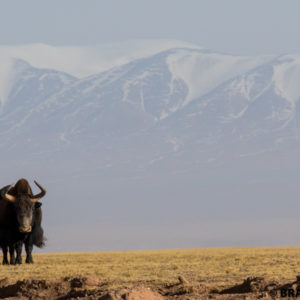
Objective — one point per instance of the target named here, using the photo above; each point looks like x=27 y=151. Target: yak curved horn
x=37 y=197
x=7 y=196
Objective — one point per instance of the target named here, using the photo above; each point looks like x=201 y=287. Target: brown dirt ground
x=84 y=288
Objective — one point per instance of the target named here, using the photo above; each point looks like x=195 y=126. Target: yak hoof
x=29 y=261
x=5 y=262
x=18 y=261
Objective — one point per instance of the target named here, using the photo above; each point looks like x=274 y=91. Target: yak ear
x=37 y=204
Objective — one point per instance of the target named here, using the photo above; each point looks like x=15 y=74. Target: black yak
x=20 y=221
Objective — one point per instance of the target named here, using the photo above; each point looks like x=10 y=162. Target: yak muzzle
x=25 y=229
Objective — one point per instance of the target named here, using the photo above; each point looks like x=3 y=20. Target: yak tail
x=38 y=238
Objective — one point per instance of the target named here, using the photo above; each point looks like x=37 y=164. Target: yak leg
x=12 y=254
x=4 y=251
x=18 y=247
x=28 y=249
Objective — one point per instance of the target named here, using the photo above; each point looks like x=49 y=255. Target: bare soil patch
x=84 y=288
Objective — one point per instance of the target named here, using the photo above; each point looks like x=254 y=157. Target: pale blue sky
x=234 y=26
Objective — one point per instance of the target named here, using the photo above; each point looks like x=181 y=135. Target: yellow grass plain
x=215 y=267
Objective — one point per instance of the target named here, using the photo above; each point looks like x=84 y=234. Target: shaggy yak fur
x=20 y=221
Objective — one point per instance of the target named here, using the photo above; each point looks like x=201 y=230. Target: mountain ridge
x=146 y=107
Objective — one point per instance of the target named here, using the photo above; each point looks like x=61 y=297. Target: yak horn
x=37 y=197
x=7 y=196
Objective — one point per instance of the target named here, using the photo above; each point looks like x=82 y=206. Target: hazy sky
x=234 y=26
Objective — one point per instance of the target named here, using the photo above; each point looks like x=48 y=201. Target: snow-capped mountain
x=177 y=108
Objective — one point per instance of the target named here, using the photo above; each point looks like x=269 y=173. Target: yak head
x=24 y=203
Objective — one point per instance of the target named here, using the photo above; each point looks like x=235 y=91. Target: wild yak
x=20 y=221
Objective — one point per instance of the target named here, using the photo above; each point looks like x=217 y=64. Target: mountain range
x=177 y=109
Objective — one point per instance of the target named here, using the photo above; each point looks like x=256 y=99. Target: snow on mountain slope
x=242 y=115
x=179 y=105
x=135 y=95
x=200 y=70
x=276 y=81
x=28 y=87
x=163 y=83
x=144 y=91
x=286 y=77
x=5 y=79
x=203 y=71
x=9 y=70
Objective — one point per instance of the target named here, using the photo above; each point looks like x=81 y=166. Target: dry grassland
x=216 y=267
